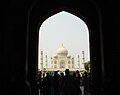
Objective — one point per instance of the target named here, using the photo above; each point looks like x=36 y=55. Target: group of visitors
x=64 y=84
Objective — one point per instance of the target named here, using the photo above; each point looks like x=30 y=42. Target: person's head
x=61 y=74
x=77 y=72
x=74 y=74
x=47 y=74
x=67 y=72
x=56 y=73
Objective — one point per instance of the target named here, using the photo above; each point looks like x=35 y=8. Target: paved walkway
x=82 y=88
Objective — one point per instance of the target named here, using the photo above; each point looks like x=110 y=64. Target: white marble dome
x=62 y=51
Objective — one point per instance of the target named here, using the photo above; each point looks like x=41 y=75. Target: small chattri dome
x=62 y=51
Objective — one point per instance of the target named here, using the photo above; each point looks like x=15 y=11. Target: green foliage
x=87 y=65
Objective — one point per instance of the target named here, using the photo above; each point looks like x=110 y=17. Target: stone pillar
x=73 y=62
x=46 y=61
x=83 y=61
x=79 y=61
x=41 y=60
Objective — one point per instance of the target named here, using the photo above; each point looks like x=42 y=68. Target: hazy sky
x=67 y=29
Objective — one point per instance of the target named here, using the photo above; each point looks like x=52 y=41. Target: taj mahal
x=61 y=61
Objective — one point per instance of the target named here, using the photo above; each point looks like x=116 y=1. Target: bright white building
x=60 y=61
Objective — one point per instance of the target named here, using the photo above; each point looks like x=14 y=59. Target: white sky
x=64 y=28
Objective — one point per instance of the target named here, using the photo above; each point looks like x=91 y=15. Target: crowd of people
x=64 y=84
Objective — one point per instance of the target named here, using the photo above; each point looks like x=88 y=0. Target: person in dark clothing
x=86 y=83
x=61 y=81
x=68 y=84
x=55 y=83
x=46 y=84
x=40 y=82
x=78 y=83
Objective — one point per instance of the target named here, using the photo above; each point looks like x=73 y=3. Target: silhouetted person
x=46 y=84
x=61 y=81
x=74 y=75
x=78 y=83
x=40 y=82
x=77 y=79
x=55 y=83
x=86 y=83
x=68 y=84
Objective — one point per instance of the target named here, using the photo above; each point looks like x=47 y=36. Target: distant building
x=61 y=61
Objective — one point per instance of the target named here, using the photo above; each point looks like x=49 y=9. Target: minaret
x=73 y=62
x=51 y=62
x=79 y=61
x=46 y=61
x=41 y=60
x=83 y=57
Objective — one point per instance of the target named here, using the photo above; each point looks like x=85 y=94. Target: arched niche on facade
x=84 y=9
x=62 y=64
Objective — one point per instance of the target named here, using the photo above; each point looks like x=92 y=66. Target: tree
x=87 y=65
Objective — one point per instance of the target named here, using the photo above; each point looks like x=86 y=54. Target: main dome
x=62 y=51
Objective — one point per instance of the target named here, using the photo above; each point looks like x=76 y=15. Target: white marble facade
x=60 y=61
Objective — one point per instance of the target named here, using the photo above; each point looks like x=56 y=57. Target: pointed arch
x=84 y=9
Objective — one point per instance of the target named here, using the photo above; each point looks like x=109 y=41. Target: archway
x=69 y=29
x=90 y=15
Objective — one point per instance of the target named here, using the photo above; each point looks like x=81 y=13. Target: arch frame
x=90 y=15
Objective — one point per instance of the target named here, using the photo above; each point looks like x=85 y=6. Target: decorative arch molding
x=62 y=64
x=84 y=9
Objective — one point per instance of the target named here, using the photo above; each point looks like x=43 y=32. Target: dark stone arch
x=84 y=9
